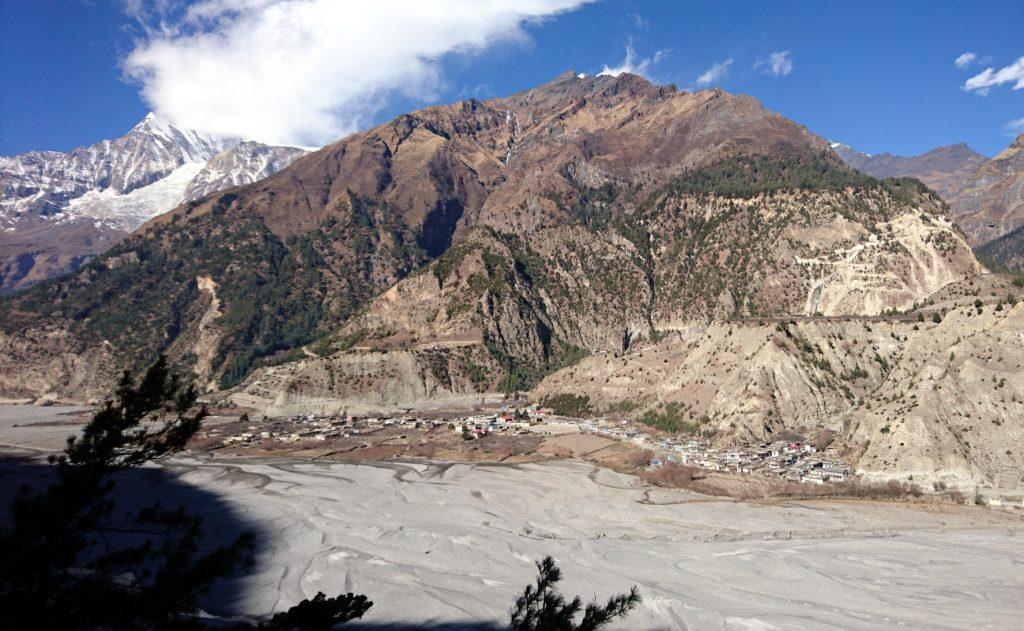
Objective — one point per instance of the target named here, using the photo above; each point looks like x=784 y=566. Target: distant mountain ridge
x=944 y=169
x=57 y=209
x=986 y=196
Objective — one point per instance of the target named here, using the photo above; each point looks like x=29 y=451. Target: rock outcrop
x=990 y=204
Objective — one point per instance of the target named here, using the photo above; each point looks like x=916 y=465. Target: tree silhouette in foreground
x=58 y=567
x=320 y=612
x=542 y=608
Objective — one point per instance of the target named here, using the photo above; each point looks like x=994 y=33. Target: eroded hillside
x=936 y=397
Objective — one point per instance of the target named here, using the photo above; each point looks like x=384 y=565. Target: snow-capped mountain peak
x=116 y=185
x=194 y=146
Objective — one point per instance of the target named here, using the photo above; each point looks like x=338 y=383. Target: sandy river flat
x=445 y=543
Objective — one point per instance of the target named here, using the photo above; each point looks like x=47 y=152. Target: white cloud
x=632 y=65
x=714 y=73
x=779 y=63
x=990 y=78
x=307 y=72
x=965 y=60
x=1015 y=126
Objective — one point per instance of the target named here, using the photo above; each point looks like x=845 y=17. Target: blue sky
x=879 y=76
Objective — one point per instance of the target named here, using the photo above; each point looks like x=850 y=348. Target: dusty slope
x=953 y=405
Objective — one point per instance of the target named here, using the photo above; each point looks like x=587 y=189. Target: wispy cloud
x=633 y=65
x=715 y=73
x=638 y=20
x=969 y=59
x=778 y=64
x=965 y=60
x=307 y=72
x=1015 y=126
x=989 y=78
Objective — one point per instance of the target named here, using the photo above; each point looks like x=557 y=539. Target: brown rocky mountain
x=945 y=169
x=465 y=250
x=300 y=252
x=990 y=204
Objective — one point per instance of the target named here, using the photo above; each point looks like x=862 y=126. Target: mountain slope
x=57 y=210
x=585 y=214
x=510 y=309
x=986 y=197
x=1004 y=253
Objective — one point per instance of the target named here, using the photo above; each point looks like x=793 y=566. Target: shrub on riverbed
x=673 y=475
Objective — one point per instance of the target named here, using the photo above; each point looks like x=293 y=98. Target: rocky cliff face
x=57 y=210
x=990 y=204
x=986 y=197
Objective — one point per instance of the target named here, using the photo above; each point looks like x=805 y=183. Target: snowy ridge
x=50 y=185
x=244 y=163
x=40 y=184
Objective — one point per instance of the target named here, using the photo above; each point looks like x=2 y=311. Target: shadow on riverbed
x=419 y=626
x=140 y=488
x=230 y=600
